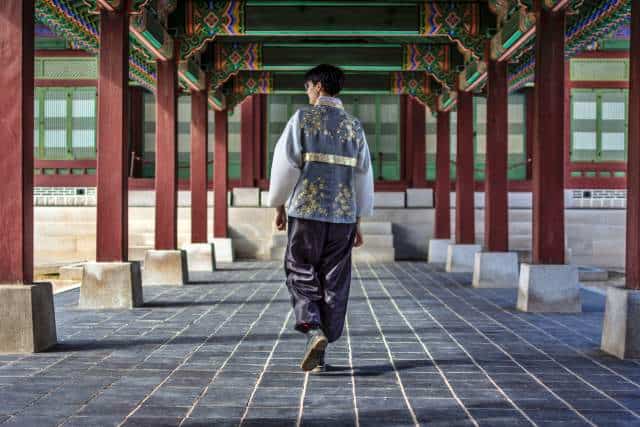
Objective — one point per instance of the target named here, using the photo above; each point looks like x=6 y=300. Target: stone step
x=375 y=228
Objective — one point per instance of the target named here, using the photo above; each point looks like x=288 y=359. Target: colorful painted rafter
x=206 y=20
x=249 y=83
x=415 y=84
x=231 y=58
x=434 y=59
x=80 y=29
x=459 y=22
x=600 y=20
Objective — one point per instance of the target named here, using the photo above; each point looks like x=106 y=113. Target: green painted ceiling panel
x=345 y=19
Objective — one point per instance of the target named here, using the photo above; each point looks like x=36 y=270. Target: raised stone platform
x=420 y=346
x=165 y=268
x=461 y=258
x=495 y=270
x=549 y=289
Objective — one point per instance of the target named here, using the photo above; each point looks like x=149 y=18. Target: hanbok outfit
x=322 y=173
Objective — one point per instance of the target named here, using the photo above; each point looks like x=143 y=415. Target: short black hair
x=331 y=77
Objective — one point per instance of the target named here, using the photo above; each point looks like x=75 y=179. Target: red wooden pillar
x=417 y=124
x=548 y=144
x=529 y=107
x=136 y=130
x=16 y=134
x=260 y=136
x=199 y=132
x=113 y=155
x=633 y=162
x=220 y=174
x=496 y=214
x=248 y=126
x=166 y=182
x=465 y=210
x=442 y=229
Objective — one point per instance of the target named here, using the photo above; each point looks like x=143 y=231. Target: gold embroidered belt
x=333 y=159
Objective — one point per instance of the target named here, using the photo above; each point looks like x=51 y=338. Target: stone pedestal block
x=388 y=199
x=460 y=258
x=549 y=289
x=111 y=285
x=165 y=268
x=223 y=249
x=495 y=270
x=621 y=328
x=27 y=318
x=438 y=249
x=200 y=256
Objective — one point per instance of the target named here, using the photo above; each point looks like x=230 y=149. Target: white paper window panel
x=235 y=116
x=430 y=118
x=388 y=144
x=149 y=142
x=234 y=143
x=584 y=140
x=584 y=110
x=83 y=138
x=431 y=144
x=212 y=131
x=516 y=113
x=149 y=106
x=55 y=138
x=516 y=144
x=613 y=111
x=481 y=113
x=481 y=144
x=55 y=107
x=184 y=109
x=83 y=107
x=613 y=141
x=36 y=115
x=278 y=112
x=389 y=113
x=367 y=112
x=453 y=119
x=183 y=142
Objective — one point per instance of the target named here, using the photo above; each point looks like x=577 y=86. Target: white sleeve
x=287 y=161
x=364 y=182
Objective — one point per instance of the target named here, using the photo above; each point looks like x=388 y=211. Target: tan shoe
x=314 y=353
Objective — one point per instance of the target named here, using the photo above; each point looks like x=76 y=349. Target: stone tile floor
x=421 y=347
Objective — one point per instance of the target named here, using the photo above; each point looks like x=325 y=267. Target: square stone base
x=460 y=258
x=438 y=249
x=200 y=256
x=549 y=289
x=165 y=268
x=111 y=285
x=621 y=328
x=495 y=270
x=223 y=249
x=27 y=318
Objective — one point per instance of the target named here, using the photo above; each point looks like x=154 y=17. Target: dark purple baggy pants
x=318 y=267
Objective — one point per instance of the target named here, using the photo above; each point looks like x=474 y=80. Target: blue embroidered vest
x=331 y=139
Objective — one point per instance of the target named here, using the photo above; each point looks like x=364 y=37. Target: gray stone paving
x=420 y=347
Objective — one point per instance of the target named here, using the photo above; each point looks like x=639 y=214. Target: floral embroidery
x=313 y=121
x=308 y=201
x=349 y=129
x=343 y=202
